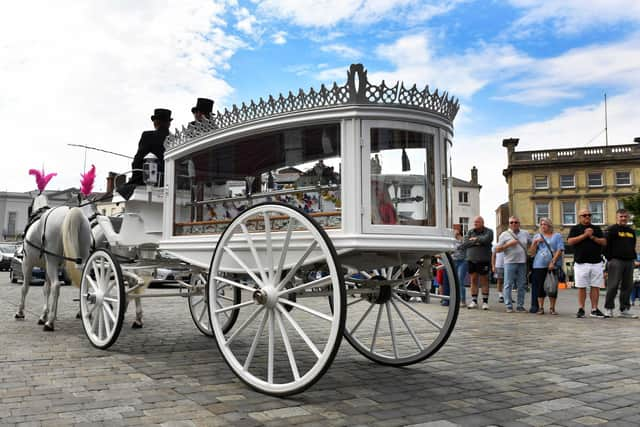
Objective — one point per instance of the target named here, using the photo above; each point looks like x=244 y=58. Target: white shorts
x=588 y=275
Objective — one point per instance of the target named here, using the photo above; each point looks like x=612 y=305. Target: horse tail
x=76 y=241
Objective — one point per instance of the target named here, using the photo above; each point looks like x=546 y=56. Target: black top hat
x=161 y=114
x=204 y=105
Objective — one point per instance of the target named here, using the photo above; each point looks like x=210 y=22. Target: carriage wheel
x=401 y=323
x=102 y=299
x=199 y=305
x=286 y=334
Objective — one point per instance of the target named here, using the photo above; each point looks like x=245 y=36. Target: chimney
x=110 y=181
x=474 y=175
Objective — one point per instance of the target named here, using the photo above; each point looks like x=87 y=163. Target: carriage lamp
x=150 y=169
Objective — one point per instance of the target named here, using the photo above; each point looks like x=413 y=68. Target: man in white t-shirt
x=514 y=243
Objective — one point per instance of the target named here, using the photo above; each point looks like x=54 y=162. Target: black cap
x=204 y=105
x=161 y=114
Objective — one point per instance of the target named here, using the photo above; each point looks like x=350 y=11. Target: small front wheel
x=199 y=304
x=102 y=299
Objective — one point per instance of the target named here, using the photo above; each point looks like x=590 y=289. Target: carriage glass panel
x=402 y=177
x=296 y=166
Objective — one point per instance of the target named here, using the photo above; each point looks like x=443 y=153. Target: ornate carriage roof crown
x=357 y=90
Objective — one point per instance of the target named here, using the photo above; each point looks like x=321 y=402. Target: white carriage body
x=366 y=141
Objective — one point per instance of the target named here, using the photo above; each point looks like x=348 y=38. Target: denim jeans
x=635 y=293
x=461 y=271
x=514 y=275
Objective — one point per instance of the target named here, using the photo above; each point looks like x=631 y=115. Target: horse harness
x=43 y=214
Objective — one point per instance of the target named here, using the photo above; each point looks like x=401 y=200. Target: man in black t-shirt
x=621 y=256
x=587 y=241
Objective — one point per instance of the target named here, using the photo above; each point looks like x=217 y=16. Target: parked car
x=7 y=249
x=171 y=274
x=37 y=274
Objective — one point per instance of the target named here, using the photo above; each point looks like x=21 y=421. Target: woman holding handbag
x=547 y=249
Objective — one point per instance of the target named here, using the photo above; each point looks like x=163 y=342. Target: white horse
x=59 y=236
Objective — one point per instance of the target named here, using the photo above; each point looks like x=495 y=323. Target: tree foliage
x=632 y=204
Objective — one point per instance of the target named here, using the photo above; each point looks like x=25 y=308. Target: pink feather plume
x=41 y=179
x=86 y=183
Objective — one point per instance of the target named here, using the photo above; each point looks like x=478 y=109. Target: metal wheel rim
x=102 y=299
x=422 y=327
x=199 y=307
x=274 y=319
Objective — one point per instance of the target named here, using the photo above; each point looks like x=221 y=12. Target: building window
x=542 y=210
x=567 y=181
x=623 y=178
x=405 y=191
x=11 y=224
x=463 y=197
x=620 y=204
x=568 y=213
x=597 y=212
x=541 y=182
x=464 y=224
x=594 y=179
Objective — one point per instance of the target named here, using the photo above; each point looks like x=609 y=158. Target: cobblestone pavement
x=496 y=369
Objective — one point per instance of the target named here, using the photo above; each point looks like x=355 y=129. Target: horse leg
x=137 y=324
x=26 y=281
x=46 y=291
x=52 y=276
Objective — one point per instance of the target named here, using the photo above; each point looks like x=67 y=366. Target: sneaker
x=597 y=313
x=501 y=299
x=521 y=309
x=485 y=306
x=608 y=313
x=509 y=310
x=628 y=315
x=472 y=304
x=580 y=313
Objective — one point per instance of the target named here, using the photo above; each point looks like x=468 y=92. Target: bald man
x=588 y=241
x=477 y=243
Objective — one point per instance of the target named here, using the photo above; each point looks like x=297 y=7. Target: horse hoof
x=136 y=325
x=47 y=328
x=40 y=322
x=19 y=316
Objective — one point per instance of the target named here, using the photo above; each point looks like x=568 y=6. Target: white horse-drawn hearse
x=304 y=219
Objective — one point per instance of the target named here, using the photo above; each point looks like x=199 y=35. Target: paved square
x=496 y=369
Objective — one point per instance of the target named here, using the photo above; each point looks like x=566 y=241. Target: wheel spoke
x=406 y=324
x=111 y=299
x=283 y=252
x=232 y=283
x=203 y=311
x=269 y=243
x=234 y=307
x=254 y=344
x=92 y=283
x=245 y=324
x=244 y=266
x=107 y=309
x=320 y=283
x=393 y=332
x=439 y=327
x=307 y=309
x=252 y=247
x=355 y=301
x=295 y=268
x=271 y=346
x=366 y=313
x=196 y=301
x=300 y=332
x=221 y=306
x=94 y=318
x=109 y=322
x=287 y=346
x=375 y=330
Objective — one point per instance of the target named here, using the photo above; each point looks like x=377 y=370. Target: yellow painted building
x=558 y=183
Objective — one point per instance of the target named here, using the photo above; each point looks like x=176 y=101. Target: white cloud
x=93 y=74
x=327 y=13
x=342 y=50
x=246 y=21
x=572 y=16
x=279 y=37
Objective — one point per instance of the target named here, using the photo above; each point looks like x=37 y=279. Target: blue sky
x=92 y=75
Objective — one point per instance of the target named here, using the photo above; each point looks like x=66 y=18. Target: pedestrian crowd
x=602 y=259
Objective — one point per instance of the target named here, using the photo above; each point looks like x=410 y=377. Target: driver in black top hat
x=203 y=109
x=152 y=141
